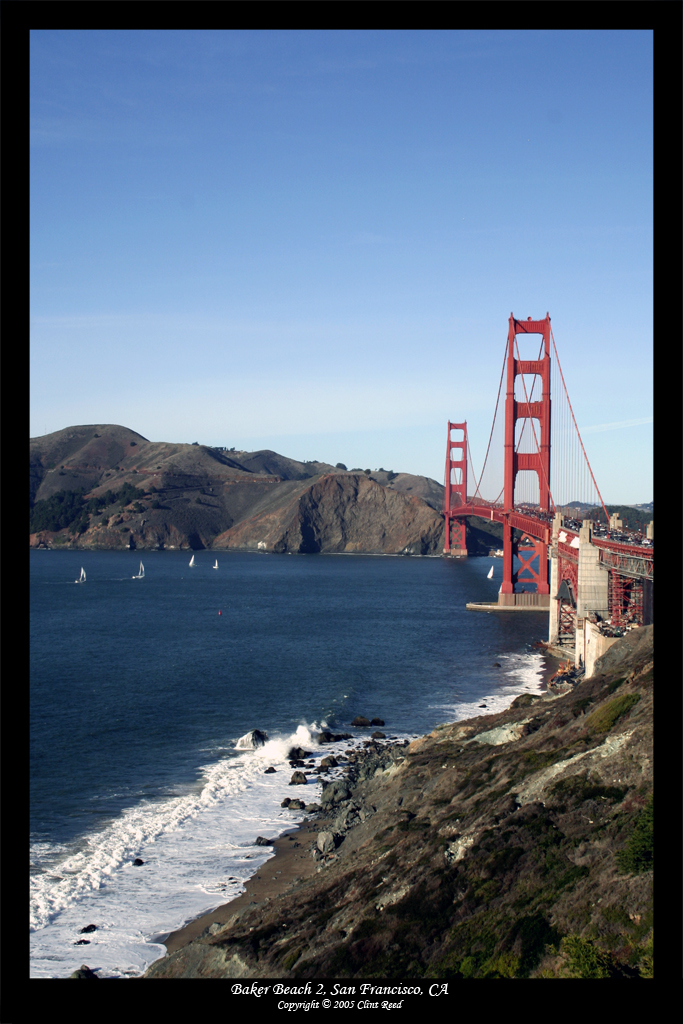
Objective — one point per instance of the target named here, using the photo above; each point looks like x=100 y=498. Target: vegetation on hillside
x=69 y=509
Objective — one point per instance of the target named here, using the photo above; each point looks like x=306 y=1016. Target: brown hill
x=343 y=512
x=197 y=496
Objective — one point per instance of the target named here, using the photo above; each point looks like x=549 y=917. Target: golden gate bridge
x=560 y=544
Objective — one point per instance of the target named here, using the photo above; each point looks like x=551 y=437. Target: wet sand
x=291 y=865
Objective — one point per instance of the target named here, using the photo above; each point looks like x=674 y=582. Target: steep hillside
x=346 y=512
x=511 y=845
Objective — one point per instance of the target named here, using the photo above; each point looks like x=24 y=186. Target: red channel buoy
x=219 y=611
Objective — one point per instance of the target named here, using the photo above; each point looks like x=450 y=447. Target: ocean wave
x=63 y=875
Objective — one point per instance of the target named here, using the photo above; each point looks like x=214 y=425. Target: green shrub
x=646 y=962
x=609 y=714
x=638 y=855
x=128 y=493
x=56 y=513
x=585 y=960
x=580 y=788
x=506 y=965
x=290 y=960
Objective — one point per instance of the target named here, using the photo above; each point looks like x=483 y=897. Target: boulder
x=377 y=735
x=377 y=721
x=286 y=802
x=360 y=720
x=252 y=739
x=335 y=792
x=329 y=762
x=297 y=754
x=326 y=843
x=269 y=771
x=298 y=779
x=83 y=972
x=82 y=942
x=88 y=928
x=260 y=841
x=138 y=862
x=331 y=737
x=296 y=805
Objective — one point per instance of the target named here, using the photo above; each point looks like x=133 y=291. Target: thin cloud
x=598 y=427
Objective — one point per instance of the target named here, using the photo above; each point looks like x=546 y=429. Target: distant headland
x=106 y=487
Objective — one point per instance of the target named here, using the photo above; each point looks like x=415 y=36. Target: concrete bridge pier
x=558 y=523
x=591 y=594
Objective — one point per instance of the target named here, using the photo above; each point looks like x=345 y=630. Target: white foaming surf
x=198 y=850
x=519 y=673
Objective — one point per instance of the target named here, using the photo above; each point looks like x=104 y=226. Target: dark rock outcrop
x=297 y=754
x=83 y=972
x=252 y=740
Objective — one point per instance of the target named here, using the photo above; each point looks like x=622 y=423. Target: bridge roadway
x=631 y=559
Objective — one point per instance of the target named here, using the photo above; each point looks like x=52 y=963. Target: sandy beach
x=291 y=866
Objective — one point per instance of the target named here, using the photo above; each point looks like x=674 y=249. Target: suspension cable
x=500 y=384
x=577 y=429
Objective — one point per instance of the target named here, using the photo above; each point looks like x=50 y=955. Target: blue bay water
x=140 y=691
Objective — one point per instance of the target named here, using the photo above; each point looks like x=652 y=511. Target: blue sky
x=312 y=241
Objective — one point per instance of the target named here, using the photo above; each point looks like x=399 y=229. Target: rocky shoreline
x=509 y=845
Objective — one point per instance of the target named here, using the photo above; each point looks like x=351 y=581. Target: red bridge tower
x=537 y=461
x=455 y=493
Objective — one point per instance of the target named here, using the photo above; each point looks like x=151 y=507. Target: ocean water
x=141 y=690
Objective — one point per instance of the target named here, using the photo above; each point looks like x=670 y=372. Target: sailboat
x=216 y=565
x=490 y=573
x=192 y=562
x=82 y=576
x=141 y=573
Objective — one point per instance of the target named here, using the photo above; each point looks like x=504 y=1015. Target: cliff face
x=511 y=845
x=342 y=512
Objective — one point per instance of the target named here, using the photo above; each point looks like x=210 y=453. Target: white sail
x=81 y=579
x=192 y=561
x=490 y=573
x=141 y=573
x=216 y=565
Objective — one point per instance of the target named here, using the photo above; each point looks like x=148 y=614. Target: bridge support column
x=553 y=625
x=455 y=537
x=593 y=578
x=508 y=584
